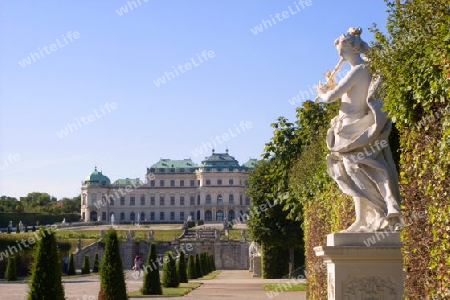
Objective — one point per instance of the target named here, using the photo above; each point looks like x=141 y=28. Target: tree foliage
x=45 y=282
x=11 y=270
x=413 y=61
x=170 y=277
x=86 y=267
x=152 y=283
x=71 y=268
x=192 y=272
x=181 y=268
x=96 y=266
x=112 y=278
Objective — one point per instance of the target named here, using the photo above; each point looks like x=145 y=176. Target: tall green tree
x=170 y=276
x=192 y=272
x=181 y=268
x=45 y=282
x=71 y=268
x=198 y=266
x=96 y=266
x=86 y=267
x=11 y=269
x=152 y=283
x=112 y=278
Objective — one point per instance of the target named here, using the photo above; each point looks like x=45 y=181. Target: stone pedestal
x=257 y=266
x=363 y=266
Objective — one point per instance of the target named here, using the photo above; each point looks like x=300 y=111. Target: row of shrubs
x=32 y=218
x=45 y=282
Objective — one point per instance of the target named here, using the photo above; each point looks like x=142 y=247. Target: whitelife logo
x=53 y=47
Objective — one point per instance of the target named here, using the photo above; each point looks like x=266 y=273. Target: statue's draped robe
x=373 y=174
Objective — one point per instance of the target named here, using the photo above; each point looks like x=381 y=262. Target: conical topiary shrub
x=203 y=263
x=33 y=228
x=112 y=278
x=152 y=283
x=96 y=266
x=192 y=273
x=45 y=282
x=198 y=266
x=11 y=270
x=181 y=268
x=170 y=276
x=71 y=270
x=26 y=229
x=86 y=267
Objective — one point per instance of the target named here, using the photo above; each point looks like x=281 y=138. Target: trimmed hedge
x=31 y=218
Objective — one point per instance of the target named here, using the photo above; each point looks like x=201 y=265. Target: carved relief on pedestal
x=331 y=286
x=370 y=287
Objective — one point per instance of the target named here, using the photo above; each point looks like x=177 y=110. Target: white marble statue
x=361 y=160
x=254 y=249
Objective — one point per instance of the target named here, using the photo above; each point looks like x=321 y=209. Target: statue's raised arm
x=360 y=160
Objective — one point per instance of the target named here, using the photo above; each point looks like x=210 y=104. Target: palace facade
x=172 y=191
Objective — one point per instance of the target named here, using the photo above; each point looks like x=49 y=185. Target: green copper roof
x=251 y=164
x=128 y=181
x=220 y=160
x=96 y=176
x=173 y=163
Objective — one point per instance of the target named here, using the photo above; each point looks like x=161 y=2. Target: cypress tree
x=17 y=228
x=198 y=266
x=203 y=264
x=192 y=272
x=181 y=268
x=46 y=271
x=112 y=279
x=95 y=268
x=8 y=230
x=71 y=270
x=11 y=270
x=170 y=276
x=152 y=283
x=86 y=267
x=208 y=263
x=26 y=229
x=33 y=228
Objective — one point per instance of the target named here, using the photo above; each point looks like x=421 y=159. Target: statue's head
x=352 y=40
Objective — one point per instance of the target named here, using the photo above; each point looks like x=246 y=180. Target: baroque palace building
x=172 y=191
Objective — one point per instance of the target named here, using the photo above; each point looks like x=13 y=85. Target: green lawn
x=286 y=287
x=211 y=275
x=159 y=235
x=182 y=290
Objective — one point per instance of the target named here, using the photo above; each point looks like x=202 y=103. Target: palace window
x=182 y=200
x=132 y=200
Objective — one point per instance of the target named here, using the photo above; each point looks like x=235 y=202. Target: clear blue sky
x=114 y=60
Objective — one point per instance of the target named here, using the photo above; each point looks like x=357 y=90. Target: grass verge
x=182 y=290
x=211 y=275
x=285 y=287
